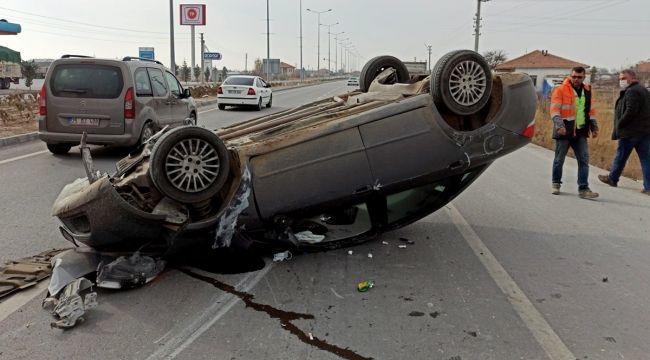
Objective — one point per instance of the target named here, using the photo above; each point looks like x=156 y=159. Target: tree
x=224 y=73
x=185 y=72
x=197 y=73
x=495 y=58
x=28 y=69
x=207 y=74
x=258 y=66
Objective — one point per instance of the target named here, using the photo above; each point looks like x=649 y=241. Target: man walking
x=631 y=129
x=573 y=122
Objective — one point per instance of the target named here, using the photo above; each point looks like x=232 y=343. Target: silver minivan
x=116 y=102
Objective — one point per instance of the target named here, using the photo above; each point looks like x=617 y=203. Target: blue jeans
x=625 y=147
x=581 y=151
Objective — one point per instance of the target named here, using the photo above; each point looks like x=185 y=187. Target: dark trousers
x=581 y=151
x=625 y=147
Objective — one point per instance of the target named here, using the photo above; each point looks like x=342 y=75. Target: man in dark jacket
x=631 y=129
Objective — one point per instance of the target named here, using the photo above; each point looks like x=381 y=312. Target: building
x=42 y=66
x=541 y=65
x=286 y=69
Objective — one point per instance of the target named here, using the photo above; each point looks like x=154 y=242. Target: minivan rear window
x=246 y=81
x=86 y=81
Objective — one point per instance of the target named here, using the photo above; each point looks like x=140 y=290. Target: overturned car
x=327 y=174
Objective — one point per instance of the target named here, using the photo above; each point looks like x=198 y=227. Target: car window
x=157 y=82
x=174 y=86
x=142 y=83
x=87 y=81
x=239 y=80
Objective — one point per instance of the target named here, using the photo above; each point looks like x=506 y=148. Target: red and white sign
x=192 y=14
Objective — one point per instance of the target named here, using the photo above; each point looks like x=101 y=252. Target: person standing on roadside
x=631 y=129
x=573 y=122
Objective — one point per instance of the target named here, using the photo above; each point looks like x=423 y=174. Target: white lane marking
x=545 y=335
x=2 y=162
x=206 y=320
x=205 y=111
x=16 y=301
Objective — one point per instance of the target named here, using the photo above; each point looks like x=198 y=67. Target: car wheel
x=147 y=132
x=259 y=104
x=193 y=119
x=59 y=149
x=270 y=103
x=378 y=64
x=2 y=84
x=461 y=82
x=221 y=107
x=189 y=164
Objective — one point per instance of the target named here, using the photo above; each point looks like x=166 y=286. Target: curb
x=18 y=139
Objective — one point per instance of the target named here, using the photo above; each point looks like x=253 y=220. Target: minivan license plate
x=83 y=121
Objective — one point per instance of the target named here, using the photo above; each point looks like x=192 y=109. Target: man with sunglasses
x=573 y=122
x=631 y=129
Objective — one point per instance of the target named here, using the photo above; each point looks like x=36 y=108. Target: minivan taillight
x=129 y=104
x=42 y=107
x=251 y=91
x=219 y=90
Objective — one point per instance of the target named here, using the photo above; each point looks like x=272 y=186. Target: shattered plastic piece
x=309 y=237
x=70 y=266
x=228 y=220
x=282 y=256
x=364 y=286
x=70 y=307
x=408 y=241
x=311 y=337
x=370 y=256
x=20 y=274
x=401 y=246
x=350 y=252
x=134 y=271
x=385 y=242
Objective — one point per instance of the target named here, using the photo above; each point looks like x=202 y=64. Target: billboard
x=274 y=68
x=192 y=14
x=146 y=53
x=212 y=56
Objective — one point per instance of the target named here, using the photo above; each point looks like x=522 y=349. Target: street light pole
x=172 y=63
x=336 y=50
x=318 y=53
x=302 y=75
x=268 y=44
x=341 y=43
x=329 y=47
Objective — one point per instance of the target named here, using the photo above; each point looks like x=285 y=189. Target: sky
x=605 y=33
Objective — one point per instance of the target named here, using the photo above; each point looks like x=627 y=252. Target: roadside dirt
x=18 y=114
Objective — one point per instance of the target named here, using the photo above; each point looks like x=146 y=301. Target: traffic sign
x=147 y=53
x=212 y=56
x=192 y=14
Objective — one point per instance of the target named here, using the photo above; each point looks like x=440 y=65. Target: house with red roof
x=541 y=65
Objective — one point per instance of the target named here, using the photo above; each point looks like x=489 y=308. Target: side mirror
x=267 y=86
x=187 y=93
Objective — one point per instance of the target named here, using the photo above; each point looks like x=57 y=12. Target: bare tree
x=28 y=69
x=495 y=58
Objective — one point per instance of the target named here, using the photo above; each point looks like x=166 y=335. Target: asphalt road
x=506 y=271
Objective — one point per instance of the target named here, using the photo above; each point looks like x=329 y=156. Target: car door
x=261 y=87
x=161 y=94
x=177 y=105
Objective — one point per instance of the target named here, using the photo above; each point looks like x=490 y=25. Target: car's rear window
x=246 y=81
x=87 y=81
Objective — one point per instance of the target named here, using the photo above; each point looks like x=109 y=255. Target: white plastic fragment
x=311 y=337
x=309 y=237
x=370 y=255
x=349 y=252
x=384 y=242
x=401 y=246
x=282 y=256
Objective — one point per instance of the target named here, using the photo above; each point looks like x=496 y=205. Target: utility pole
x=172 y=63
x=202 y=61
x=193 y=52
x=268 y=44
x=246 y=63
x=477 y=23
x=302 y=73
x=318 y=53
x=429 y=50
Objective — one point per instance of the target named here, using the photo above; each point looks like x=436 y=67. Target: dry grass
x=18 y=115
x=601 y=149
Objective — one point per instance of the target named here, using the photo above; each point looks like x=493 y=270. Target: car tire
x=193 y=118
x=147 y=132
x=221 y=107
x=259 y=105
x=184 y=155
x=59 y=149
x=471 y=92
x=378 y=64
x=2 y=84
x=270 y=103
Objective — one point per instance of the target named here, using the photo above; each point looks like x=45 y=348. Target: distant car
x=244 y=90
x=327 y=174
x=353 y=81
x=116 y=102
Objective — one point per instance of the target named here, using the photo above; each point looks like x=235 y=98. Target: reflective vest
x=563 y=102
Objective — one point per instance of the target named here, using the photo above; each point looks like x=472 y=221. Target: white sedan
x=244 y=90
